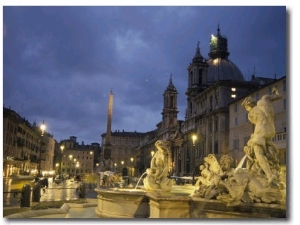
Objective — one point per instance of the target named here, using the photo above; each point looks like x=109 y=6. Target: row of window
x=77 y=170
x=27 y=134
x=12 y=128
x=278 y=137
x=80 y=164
x=202 y=105
x=82 y=157
x=199 y=148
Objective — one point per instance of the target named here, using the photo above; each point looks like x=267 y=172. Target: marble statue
x=260 y=148
x=261 y=180
x=157 y=174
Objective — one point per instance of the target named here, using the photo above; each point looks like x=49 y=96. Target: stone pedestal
x=167 y=205
x=122 y=204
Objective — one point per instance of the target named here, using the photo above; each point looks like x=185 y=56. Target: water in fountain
x=139 y=180
x=240 y=165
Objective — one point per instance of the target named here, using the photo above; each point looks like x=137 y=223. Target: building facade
x=26 y=151
x=76 y=159
x=122 y=158
x=240 y=128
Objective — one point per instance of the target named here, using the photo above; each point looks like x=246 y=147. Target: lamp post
x=97 y=168
x=43 y=128
x=131 y=159
x=122 y=163
x=116 y=167
x=194 y=138
x=61 y=155
x=70 y=157
x=92 y=169
x=57 y=167
x=75 y=165
x=77 y=168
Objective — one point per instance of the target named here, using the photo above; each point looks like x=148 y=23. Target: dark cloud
x=61 y=62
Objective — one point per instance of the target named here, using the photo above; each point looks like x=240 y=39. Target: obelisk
x=107 y=146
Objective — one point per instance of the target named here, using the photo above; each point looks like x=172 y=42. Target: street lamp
x=75 y=165
x=92 y=168
x=57 y=167
x=152 y=153
x=116 y=167
x=43 y=128
x=122 y=162
x=61 y=155
x=194 y=138
x=131 y=159
x=70 y=157
x=77 y=168
x=97 y=168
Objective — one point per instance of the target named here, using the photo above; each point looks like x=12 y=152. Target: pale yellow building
x=76 y=158
x=240 y=128
x=25 y=150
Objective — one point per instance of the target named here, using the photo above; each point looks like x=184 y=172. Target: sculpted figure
x=233 y=186
x=157 y=174
x=225 y=164
x=206 y=175
x=260 y=148
x=262 y=173
x=207 y=183
x=232 y=189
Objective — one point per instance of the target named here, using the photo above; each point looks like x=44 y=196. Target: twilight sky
x=60 y=63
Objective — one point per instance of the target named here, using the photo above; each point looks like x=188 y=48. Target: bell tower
x=197 y=72
x=170 y=110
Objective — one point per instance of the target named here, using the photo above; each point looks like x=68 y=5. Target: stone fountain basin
x=122 y=203
x=138 y=203
x=178 y=203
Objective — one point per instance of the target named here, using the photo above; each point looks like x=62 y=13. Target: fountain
x=139 y=180
x=257 y=190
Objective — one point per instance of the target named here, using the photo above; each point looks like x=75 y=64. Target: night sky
x=60 y=63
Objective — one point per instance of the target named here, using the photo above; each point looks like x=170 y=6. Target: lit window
x=233 y=95
x=233 y=89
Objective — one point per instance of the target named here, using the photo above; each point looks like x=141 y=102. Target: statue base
x=137 y=203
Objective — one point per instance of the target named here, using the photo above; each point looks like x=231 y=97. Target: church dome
x=219 y=66
x=223 y=69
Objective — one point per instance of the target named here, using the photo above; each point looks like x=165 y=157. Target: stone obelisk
x=107 y=145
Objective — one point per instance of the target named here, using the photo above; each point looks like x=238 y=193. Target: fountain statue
x=260 y=181
x=157 y=174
